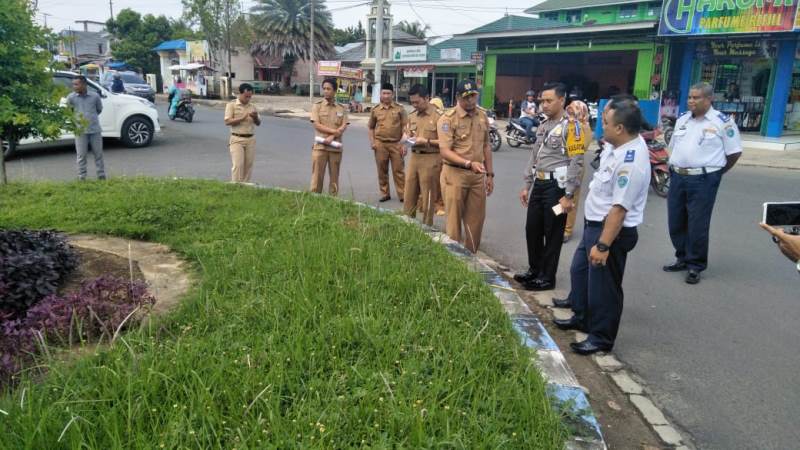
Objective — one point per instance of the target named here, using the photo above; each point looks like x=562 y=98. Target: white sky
x=445 y=17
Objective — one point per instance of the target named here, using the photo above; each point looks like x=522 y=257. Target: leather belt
x=597 y=224
x=457 y=166
x=541 y=175
x=420 y=151
x=694 y=170
x=242 y=135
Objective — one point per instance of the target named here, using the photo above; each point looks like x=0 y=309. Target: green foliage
x=414 y=28
x=29 y=101
x=348 y=35
x=315 y=323
x=220 y=21
x=136 y=35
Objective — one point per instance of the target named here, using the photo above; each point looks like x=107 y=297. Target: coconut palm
x=282 y=28
x=414 y=28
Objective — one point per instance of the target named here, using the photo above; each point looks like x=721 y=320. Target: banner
x=411 y=53
x=703 y=17
x=450 y=54
x=328 y=68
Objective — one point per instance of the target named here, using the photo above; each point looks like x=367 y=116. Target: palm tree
x=282 y=28
x=414 y=28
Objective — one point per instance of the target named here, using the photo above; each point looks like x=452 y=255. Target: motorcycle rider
x=528 y=113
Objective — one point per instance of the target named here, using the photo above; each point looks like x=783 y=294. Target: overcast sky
x=445 y=17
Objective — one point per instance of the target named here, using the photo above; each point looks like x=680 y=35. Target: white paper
x=558 y=209
x=321 y=140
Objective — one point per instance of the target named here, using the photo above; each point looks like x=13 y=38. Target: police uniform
x=424 y=165
x=464 y=191
x=551 y=173
x=388 y=122
x=331 y=115
x=699 y=150
x=622 y=179
x=242 y=143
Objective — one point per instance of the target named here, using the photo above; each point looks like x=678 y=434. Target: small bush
x=32 y=264
x=98 y=309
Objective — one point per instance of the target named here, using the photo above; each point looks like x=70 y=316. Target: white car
x=131 y=119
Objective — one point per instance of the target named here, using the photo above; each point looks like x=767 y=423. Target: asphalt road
x=721 y=357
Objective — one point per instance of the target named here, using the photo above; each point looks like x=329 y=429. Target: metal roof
x=517 y=23
x=565 y=5
x=178 y=44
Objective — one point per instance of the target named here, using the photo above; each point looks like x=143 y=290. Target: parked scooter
x=668 y=127
x=185 y=109
x=516 y=136
x=494 y=135
x=659 y=163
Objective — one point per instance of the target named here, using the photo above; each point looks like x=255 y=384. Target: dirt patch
x=95 y=264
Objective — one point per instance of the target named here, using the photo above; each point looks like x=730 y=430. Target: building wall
x=609 y=14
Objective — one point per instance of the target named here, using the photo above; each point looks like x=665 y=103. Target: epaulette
x=319 y=101
x=414 y=112
x=450 y=112
x=724 y=117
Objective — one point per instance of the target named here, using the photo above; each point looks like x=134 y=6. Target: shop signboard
x=704 y=17
x=476 y=58
x=411 y=53
x=450 y=54
x=731 y=48
x=352 y=73
x=328 y=68
x=417 y=71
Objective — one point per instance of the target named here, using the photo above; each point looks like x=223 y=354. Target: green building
x=596 y=47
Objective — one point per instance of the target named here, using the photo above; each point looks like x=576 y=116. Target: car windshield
x=133 y=79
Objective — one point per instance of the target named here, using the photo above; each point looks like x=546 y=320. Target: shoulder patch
x=445 y=126
x=630 y=156
x=622 y=181
x=729 y=131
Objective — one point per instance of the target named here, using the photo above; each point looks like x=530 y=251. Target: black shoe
x=587 y=348
x=677 y=266
x=569 y=324
x=524 y=277
x=562 y=302
x=539 y=285
x=401 y=200
x=693 y=277
x=385 y=199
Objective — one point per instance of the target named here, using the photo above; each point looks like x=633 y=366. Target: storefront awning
x=189 y=66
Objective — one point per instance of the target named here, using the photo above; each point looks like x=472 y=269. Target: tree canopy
x=342 y=36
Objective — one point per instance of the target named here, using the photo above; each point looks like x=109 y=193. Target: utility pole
x=111 y=8
x=312 y=66
x=378 y=52
x=44 y=16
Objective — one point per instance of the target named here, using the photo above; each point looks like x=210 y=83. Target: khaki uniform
x=388 y=121
x=322 y=156
x=464 y=191
x=424 y=166
x=242 y=143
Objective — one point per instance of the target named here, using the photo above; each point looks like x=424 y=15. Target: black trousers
x=597 y=290
x=544 y=231
x=689 y=206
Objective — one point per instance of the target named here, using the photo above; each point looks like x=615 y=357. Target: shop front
x=747 y=54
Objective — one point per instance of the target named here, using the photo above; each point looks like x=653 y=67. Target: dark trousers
x=689 y=206
x=597 y=290
x=544 y=231
x=528 y=123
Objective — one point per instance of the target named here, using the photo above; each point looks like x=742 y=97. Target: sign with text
x=703 y=17
x=328 y=68
x=476 y=57
x=450 y=54
x=735 y=48
x=411 y=53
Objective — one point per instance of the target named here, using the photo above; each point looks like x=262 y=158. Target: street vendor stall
x=194 y=76
x=349 y=81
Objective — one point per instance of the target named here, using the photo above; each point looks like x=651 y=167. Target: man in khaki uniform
x=243 y=118
x=439 y=202
x=425 y=164
x=330 y=122
x=467 y=176
x=386 y=124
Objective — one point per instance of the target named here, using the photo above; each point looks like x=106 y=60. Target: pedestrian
x=87 y=106
x=551 y=178
x=242 y=117
x=578 y=132
x=705 y=145
x=467 y=176
x=425 y=163
x=386 y=124
x=330 y=122
x=613 y=210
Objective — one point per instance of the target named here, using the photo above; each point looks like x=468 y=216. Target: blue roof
x=178 y=44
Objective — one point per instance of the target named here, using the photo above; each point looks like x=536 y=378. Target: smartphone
x=782 y=214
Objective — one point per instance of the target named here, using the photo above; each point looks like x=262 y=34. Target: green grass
x=314 y=324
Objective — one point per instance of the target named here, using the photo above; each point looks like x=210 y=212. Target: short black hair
x=82 y=79
x=332 y=81
x=244 y=87
x=387 y=87
x=560 y=88
x=627 y=114
x=418 y=89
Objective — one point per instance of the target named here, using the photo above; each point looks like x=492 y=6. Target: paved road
x=721 y=357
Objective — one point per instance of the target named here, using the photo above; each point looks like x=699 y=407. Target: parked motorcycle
x=185 y=109
x=668 y=127
x=494 y=135
x=516 y=136
x=659 y=163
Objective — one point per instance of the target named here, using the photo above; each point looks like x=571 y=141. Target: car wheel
x=137 y=131
x=9 y=148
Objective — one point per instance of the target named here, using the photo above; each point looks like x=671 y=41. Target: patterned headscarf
x=577 y=111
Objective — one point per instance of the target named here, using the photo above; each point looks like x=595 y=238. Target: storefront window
x=628 y=11
x=574 y=16
x=792 y=121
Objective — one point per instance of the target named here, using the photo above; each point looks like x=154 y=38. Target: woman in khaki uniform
x=467 y=176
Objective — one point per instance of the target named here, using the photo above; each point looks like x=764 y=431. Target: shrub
x=32 y=264
x=98 y=309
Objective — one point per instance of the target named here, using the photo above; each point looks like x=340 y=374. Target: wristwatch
x=602 y=247
x=467 y=164
x=569 y=195
x=798 y=266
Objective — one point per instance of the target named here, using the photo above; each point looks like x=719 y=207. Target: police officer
x=705 y=145
x=467 y=175
x=386 y=124
x=243 y=118
x=552 y=177
x=425 y=164
x=614 y=208
x=330 y=122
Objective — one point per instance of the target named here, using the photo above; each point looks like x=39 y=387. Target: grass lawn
x=315 y=324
